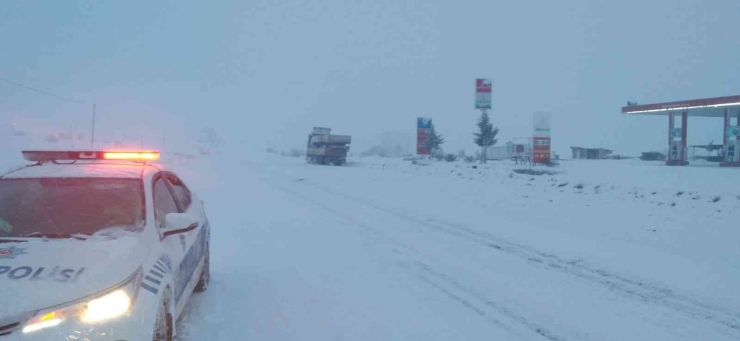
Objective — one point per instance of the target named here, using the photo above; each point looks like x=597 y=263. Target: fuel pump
x=733 y=147
x=676 y=151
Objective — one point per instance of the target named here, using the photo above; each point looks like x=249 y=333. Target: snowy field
x=385 y=250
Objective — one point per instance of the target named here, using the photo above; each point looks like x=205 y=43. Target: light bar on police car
x=142 y=156
x=79 y=155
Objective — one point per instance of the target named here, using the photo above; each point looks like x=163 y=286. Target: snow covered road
x=385 y=251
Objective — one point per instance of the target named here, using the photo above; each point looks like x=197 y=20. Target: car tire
x=163 y=325
x=205 y=275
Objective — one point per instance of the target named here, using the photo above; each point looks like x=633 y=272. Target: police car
x=98 y=245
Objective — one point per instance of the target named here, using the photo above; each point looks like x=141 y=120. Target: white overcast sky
x=265 y=72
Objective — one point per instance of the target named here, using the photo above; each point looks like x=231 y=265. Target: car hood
x=36 y=275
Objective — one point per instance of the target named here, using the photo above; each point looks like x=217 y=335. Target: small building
x=590 y=153
x=508 y=151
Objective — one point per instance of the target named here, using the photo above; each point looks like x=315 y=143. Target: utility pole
x=92 y=135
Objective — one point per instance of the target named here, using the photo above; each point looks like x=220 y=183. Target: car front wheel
x=163 y=326
x=205 y=275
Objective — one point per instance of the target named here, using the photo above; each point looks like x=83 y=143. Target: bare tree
x=51 y=138
x=395 y=143
x=209 y=140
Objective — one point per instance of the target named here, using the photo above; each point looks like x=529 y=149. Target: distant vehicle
x=652 y=156
x=325 y=148
x=98 y=246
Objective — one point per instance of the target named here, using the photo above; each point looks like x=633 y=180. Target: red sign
x=483 y=85
x=541 y=150
x=421 y=137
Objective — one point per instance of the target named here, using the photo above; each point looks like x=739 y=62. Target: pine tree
x=486 y=135
x=434 y=140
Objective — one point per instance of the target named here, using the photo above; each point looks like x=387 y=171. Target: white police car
x=98 y=246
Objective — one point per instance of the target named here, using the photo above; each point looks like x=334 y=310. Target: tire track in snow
x=549 y=335
x=613 y=281
x=629 y=287
x=443 y=283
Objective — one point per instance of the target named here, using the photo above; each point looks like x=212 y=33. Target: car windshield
x=67 y=207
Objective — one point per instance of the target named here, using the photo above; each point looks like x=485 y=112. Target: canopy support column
x=731 y=149
x=677 y=148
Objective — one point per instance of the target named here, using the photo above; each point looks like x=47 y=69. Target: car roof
x=87 y=169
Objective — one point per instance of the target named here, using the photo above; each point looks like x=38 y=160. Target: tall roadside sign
x=423 y=130
x=483 y=89
x=541 y=138
x=483 y=94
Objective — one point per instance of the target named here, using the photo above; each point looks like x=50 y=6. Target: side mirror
x=179 y=223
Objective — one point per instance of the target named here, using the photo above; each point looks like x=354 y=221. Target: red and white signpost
x=541 y=150
x=423 y=130
x=483 y=90
x=541 y=138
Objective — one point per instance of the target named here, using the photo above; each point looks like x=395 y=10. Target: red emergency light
x=81 y=155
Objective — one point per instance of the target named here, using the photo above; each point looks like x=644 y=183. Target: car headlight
x=107 y=307
x=114 y=303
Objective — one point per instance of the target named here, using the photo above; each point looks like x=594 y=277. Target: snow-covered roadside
x=613 y=223
x=285 y=269
x=482 y=253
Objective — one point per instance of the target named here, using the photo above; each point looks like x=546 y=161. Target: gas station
x=724 y=107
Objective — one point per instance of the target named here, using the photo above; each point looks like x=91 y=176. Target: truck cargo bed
x=325 y=148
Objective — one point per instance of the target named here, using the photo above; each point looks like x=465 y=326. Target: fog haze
x=264 y=72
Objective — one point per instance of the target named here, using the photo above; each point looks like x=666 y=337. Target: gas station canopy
x=706 y=107
x=724 y=107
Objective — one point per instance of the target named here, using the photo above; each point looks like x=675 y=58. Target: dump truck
x=324 y=148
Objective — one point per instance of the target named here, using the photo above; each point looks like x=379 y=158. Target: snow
x=385 y=250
